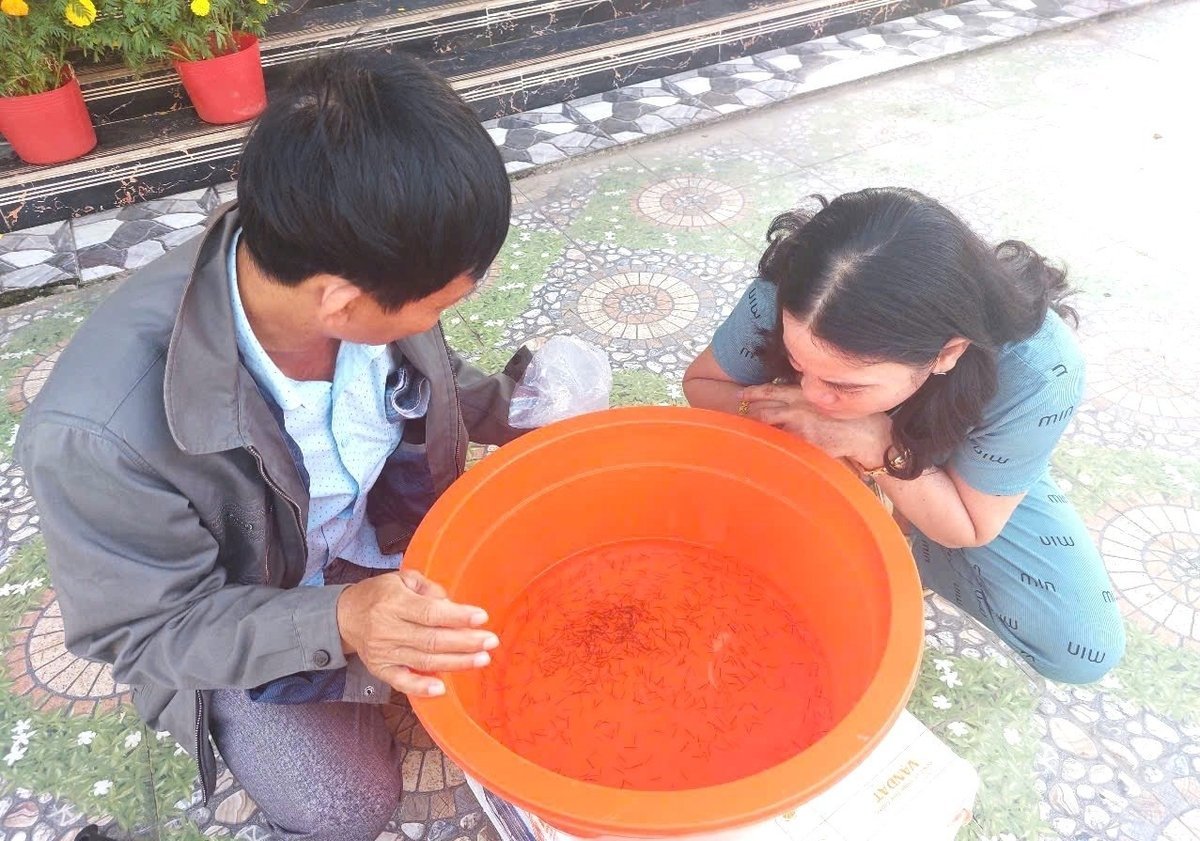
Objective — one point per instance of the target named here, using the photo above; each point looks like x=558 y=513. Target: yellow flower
x=81 y=12
x=16 y=8
x=201 y=8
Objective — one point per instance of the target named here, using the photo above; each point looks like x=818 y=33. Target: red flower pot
x=228 y=88
x=49 y=127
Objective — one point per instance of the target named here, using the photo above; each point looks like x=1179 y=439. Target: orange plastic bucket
x=678 y=594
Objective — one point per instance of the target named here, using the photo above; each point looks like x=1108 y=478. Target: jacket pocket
x=401 y=497
x=245 y=534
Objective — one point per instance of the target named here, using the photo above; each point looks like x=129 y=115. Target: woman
x=884 y=331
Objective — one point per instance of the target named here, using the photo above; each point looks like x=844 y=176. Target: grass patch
x=184 y=831
x=25 y=346
x=475 y=328
x=989 y=723
x=100 y=764
x=644 y=388
x=1158 y=677
x=1099 y=475
x=610 y=216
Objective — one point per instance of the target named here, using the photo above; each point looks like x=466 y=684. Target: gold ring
x=744 y=408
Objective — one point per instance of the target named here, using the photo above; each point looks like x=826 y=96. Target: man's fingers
x=446 y=640
x=441 y=613
x=430 y=662
x=405 y=680
x=431 y=606
x=412 y=670
x=422 y=586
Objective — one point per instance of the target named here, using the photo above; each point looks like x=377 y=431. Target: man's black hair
x=370 y=167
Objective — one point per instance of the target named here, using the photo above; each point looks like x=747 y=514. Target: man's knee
x=1083 y=657
x=319 y=772
x=359 y=811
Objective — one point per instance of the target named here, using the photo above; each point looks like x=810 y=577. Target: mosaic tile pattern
x=658 y=200
x=29 y=380
x=40 y=667
x=690 y=201
x=38 y=257
x=643 y=251
x=121 y=240
x=632 y=113
x=638 y=304
x=1147 y=381
x=735 y=85
x=1152 y=546
x=545 y=136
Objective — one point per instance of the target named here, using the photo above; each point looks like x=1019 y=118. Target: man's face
x=356 y=317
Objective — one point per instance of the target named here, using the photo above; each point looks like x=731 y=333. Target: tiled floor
x=1079 y=142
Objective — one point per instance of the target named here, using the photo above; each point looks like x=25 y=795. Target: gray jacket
x=173 y=512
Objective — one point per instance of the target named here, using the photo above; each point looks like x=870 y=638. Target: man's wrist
x=346 y=613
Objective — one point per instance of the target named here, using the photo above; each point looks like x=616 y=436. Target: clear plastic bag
x=566 y=377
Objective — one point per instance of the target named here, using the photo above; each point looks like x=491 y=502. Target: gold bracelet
x=891 y=463
x=743 y=408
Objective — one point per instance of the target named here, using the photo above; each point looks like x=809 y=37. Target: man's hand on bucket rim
x=404 y=629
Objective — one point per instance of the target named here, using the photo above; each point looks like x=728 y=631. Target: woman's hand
x=864 y=440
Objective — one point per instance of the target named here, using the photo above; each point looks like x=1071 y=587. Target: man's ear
x=337 y=299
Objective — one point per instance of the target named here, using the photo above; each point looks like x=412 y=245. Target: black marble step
x=170 y=150
x=429 y=29
x=591 y=59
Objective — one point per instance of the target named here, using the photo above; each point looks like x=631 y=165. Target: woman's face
x=845 y=388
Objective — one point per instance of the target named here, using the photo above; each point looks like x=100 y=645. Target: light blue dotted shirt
x=344 y=435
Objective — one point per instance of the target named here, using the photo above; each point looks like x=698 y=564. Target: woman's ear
x=952 y=351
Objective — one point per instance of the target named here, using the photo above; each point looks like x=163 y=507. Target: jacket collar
x=212 y=402
x=202 y=387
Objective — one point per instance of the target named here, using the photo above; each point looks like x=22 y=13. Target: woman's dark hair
x=370 y=167
x=889 y=275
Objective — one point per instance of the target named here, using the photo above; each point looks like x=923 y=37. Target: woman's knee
x=1082 y=656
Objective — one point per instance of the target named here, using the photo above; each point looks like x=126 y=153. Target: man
x=234 y=451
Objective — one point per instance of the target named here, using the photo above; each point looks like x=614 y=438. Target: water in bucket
x=656 y=665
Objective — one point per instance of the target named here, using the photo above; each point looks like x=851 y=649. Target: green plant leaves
x=34 y=47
